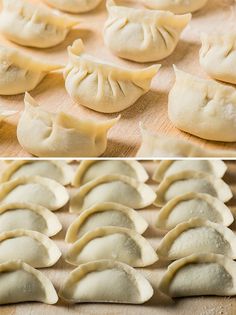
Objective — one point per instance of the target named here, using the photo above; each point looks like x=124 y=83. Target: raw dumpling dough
x=142 y=35
x=46 y=134
x=204 y=108
x=218 y=56
x=190 y=205
x=203 y=274
x=74 y=6
x=104 y=214
x=106 y=281
x=176 y=6
x=101 y=86
x=113 y=188
x=28 y=216
x=33 y=24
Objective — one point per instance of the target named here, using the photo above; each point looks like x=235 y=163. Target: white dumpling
x=142 y=35
x=106 y=281
x=204 y=108
x=176 y=6
x=104 y=214
x=102 y=86
x=74 y=6
x=46 y=134
x=113 y=188
x=202 y=274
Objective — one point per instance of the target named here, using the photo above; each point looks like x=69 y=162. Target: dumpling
x=166 y=168
x=113 y=188
x=74 y=6
x=142 y=35
x=33 y=24
x=104 y=214
x=90 y=170
x=28 y=216
x=191 y=181
x=34 y=248
x=20 y=282
x=190 y=205
x=101 y=86
x=202 y=274
x=218 y=56
x=106 y=281
x=176 y=6
x=5 y=113
x=57 y=170
x=47 y=134
x=197 y=236
x=39 y=190
x=112 y=242
x=204 y=108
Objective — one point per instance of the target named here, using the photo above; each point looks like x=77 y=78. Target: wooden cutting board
x=159 y=304
x=151 y=109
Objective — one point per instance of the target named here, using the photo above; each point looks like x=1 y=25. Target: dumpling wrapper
x=177 y=7
x=106 y=281
x=74 y=6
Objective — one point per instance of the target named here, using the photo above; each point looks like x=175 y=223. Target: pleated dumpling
x=74 y=6
x=218 y=56
x=202 y=274
x=33 y=24
x=190 y=205
x=113 y=188
x=178 y=7
x=101 y=86
x=204 y=108
x=105 y=214
x=46 y=134
x=191 y=181
x=142 y=35
x=106 y=281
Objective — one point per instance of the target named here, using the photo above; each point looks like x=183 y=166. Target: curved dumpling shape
x=191 y=205
x=106 y=281
x=20 y=72
x=218 y=56
x=204 y=108
x=192 y=181
x=46 y=134
x=19 y=282
x=142 y=35
x=39 y=190
x=34 y=248
x=197 y=236
x=177 y=7
x=90 y=170
x=57 y=170
x=113 y=188
x=39 y=26
x=101 y=86
x=112 y=242
x=166 y=168
x=28 y=216
x=74 y=6
x=202 y=274
x=105 y=214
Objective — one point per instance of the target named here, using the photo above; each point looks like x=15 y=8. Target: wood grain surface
x=159 y=304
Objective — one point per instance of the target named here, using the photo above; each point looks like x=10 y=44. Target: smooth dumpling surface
x=203 y=274
x=101 y=86
x=105 y=214
x=57 y=170
x=28 y=216
x=39 y=25
x=142 y=35
x=19 y=282
x=197 y=236
x=218 y=56
x=46 y=134
x=191 y=205
x=90 y=170
x=178 y=7
x=39 y=190
x=106 y=281
x=204 y=108
x=113 y=188
x=191 y=181
x=34 y=248
x=74 y=6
